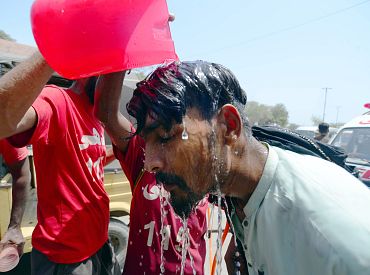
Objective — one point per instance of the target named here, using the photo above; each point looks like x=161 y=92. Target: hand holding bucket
x=9 y=257
x=81 y=38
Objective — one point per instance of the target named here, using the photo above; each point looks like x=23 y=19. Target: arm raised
x=18 y=90
x=107 y=109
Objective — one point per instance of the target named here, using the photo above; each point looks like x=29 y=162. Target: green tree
x=280 y=114
x=262 y=114
x=4 y=35
x=258 y=113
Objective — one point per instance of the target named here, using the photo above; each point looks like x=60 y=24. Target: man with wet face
x=149 y=251
x=293 y=214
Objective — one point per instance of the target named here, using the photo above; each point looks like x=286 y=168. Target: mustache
x=170 y=179
x=183 y=205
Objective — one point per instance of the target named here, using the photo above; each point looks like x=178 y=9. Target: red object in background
x=81 y=38
x=366 y=175
x=367 y=105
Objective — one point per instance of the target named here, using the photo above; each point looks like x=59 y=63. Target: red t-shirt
x=143 y=252
x=69 y=152
x=11 y=154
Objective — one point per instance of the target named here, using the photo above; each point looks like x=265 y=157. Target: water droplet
x=139 y=230
x=130 y=242
x=140 y=263
x=184 y=135
x=162 y=230
x=142 y=256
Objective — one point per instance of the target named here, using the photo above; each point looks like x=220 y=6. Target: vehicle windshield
x=355 y=141
x=307 y=133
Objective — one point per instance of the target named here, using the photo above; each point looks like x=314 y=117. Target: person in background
x=292 y=213
x=147 y=216
x=16 y=160
x=71 y=235
x=323 y=134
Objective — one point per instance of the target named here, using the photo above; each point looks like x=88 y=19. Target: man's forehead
x=152 y=123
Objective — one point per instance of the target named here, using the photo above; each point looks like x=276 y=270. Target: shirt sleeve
x=132 y=161
x=50 y=108
x=11 y=154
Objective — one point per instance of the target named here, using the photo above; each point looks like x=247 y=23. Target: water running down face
x=191 y=94
x=185 y=168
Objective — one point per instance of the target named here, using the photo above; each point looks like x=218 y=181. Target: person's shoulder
x=53 y=94
x=52 y=88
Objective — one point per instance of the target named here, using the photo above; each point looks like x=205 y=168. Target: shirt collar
x=264 y=183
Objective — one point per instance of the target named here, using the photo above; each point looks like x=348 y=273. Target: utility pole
x=326 y=92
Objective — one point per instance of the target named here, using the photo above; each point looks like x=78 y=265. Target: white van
x=354 y=138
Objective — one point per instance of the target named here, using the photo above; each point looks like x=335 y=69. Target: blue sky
x=281 y=51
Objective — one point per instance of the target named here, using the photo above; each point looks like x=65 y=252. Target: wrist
x=14 y=226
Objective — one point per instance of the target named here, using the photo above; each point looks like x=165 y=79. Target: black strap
x=292 y=141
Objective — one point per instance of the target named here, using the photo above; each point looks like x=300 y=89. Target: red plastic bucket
x=81 y=38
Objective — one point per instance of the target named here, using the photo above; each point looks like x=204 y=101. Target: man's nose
x=153 y=159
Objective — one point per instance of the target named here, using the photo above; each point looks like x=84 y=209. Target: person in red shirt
x=148 y=251
x=16 y=160
x=71 y=236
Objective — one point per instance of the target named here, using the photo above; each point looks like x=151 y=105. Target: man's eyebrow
x=150 y=128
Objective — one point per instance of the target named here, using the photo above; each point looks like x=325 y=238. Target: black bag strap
x=289 y=140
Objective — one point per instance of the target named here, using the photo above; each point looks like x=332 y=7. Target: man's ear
x=230 y=118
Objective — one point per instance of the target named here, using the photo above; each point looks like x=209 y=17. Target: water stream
x=184 y=244
x=163 y=216
x=219 y=236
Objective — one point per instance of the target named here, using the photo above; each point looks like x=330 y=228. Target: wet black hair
x=170 y=90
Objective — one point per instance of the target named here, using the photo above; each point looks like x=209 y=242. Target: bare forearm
x=107 y=108
x=107 y=97
x=18 y=90
x=21 y=183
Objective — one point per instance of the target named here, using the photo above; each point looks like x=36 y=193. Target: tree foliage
x=262 y=114
x=4 y=35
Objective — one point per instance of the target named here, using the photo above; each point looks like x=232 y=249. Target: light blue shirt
x=307 y=216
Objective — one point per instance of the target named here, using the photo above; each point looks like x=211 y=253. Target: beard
x=182 y=199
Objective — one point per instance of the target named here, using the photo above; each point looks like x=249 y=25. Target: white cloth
x=307 y=216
